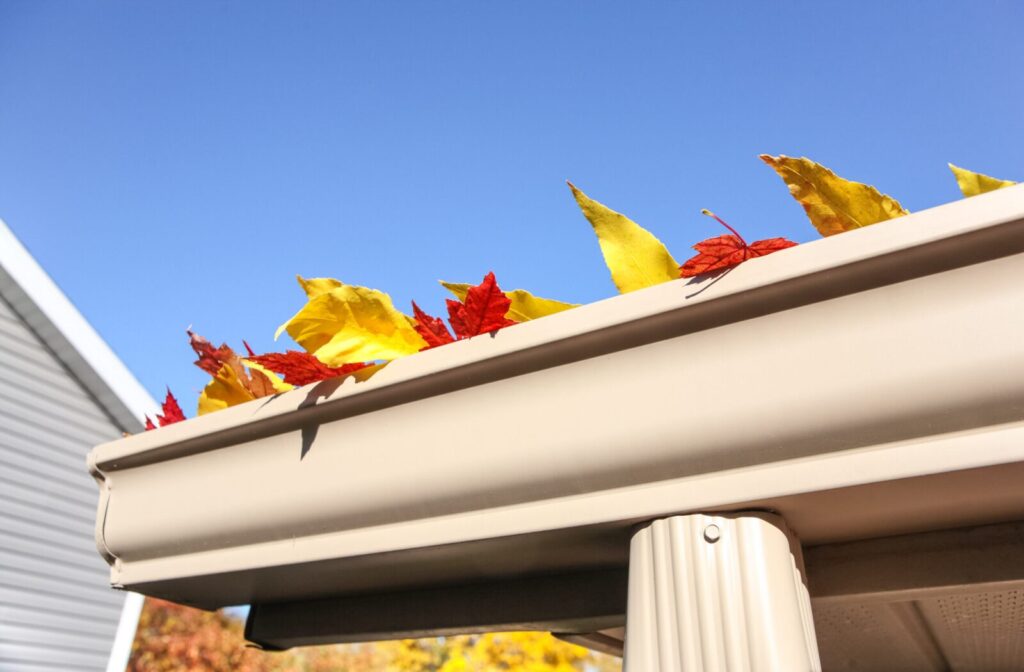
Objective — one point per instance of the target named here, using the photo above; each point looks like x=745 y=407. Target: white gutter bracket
x=718 y=593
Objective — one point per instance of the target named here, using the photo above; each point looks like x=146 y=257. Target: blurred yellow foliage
x=174 y=638
x=520 y=651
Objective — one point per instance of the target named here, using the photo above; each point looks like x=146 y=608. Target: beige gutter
x=880 y=367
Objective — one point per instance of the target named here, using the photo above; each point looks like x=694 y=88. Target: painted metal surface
x=861 y=386
x=936 y=601
x=849 y=362
x=579 y=602
x=718 y=593
x=949 y=600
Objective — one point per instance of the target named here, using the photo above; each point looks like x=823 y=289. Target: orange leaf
x=211 y=359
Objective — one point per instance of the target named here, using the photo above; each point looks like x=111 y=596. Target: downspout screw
x=712 y=534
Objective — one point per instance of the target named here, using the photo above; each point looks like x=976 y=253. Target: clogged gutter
x=352 y=331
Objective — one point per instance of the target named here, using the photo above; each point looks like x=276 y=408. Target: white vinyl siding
x=57 y=611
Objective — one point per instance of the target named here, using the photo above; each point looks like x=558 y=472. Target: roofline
x=41 y=303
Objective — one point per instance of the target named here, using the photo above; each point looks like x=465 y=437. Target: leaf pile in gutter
x=351 y=331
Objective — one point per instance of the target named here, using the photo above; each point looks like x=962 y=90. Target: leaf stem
x=722 y=222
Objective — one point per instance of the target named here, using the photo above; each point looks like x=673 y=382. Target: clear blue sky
x=177 y=163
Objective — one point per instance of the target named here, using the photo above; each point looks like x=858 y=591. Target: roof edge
x=49 y=312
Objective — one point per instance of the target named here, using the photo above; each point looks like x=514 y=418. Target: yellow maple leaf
x=635 y=257
x=972 y=184
x=833 y=204
x=349 y=324
x=525 y=306
x=226 y=389
x=314 y=287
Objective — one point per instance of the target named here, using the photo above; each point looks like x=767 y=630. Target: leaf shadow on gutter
x=328 y=387
x=708 y=280
x=321 y=390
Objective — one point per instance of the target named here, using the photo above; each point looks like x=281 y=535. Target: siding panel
x=37 y=581
x=30 y=439
x=55 y=601
x=58 y=657
x=29 y=466
x=47 y=496
x=71 y=419
x=27 y=352
x=58 y=427
x=54 y=621
x=71 y=557
x=27 y=529
x=46 y=394
x=33 y=635
x=57 y=520
x=42 y=381
x=57 y=611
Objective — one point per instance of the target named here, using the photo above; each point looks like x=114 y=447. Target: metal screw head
x=712 y=534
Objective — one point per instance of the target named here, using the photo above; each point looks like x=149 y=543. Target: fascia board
x=883 y=358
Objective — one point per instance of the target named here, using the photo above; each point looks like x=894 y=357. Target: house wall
x=57 y=611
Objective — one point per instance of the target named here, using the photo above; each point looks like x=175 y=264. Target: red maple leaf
x=432 y=329
x=171 y=413
x=210 y=358
x=302 y=368
x=482 y=312
x=726 y=251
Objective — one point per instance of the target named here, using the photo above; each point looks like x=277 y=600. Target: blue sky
x=176 y=164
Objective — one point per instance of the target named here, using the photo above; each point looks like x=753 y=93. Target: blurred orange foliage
x=174 y=638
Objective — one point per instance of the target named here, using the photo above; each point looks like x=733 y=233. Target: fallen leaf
x=833 y=205
x=316 y=286
x=226 y=389
x=635 y=257
x=170 y=413
x=482 y=312
x=300 y=368
x=726 y=251
x=212 y=360
x=972 y=184
x=350 y=324
x=432 y=329
x=525 y=306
